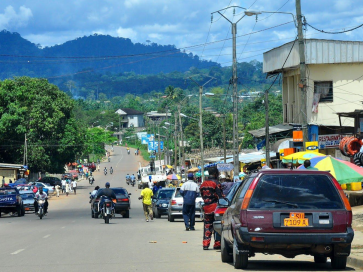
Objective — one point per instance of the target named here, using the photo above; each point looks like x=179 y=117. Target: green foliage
x=44 y=113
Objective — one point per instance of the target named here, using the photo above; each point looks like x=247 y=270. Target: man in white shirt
x=41 y=195
x=74 y=185
x=63 y=185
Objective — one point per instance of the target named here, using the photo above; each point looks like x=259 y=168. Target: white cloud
x=131 y=3
x=126 y=33
x=10 y=18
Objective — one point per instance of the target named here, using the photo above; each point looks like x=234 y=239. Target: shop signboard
x=329 y=141
x=153 y=145
x=145 y=139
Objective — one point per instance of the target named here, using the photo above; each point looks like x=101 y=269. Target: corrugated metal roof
x=317 y=52
x=258 y=133
x=252 y=157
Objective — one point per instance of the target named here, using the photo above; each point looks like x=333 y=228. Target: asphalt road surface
x=68 y=239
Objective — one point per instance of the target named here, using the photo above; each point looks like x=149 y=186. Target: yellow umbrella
x=300 y=157
x=169 y=166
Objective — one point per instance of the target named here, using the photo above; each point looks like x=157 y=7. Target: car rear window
x=165 y=194
x=119 y=191
x=295 y=192
x=29 y=196
x=177 y=193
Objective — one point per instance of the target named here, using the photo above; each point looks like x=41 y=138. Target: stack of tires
x=349 y=146
x=358 y=159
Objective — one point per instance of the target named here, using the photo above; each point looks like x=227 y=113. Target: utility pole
x=25 y=159
x=159 y=153
x=182 y=141
x=267 y=130
x=175 y=148
x=166 y=148
x=201 y=123
x=224 y=138
x=302 y=84
x=235 y=97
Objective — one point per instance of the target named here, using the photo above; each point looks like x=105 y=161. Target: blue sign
x=261 y=144
x=145 y=139
x=155 y=146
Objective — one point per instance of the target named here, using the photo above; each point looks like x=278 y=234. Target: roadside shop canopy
x=300 y=157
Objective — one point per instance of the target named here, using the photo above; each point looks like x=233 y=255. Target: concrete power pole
x=302 y=84
x=267 y=130
x=175 y=148
x=182 y=141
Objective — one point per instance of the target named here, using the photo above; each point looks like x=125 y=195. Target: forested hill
x=100 y=53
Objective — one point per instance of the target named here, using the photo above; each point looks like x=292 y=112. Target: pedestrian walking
x=135 y=152
x=146 y=195
x=74 y=186
x=210 y=191
x=98 y=168
x=63 y=185
x=189 y=191
x=57 y=187
x=67 y=188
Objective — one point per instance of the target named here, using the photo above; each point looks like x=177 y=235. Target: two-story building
x=334 y=85
x=130 y=118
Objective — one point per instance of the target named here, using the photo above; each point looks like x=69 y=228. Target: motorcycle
x=41 y=203
x=108 y=210
x=111 y=171
x=128 y=151
x=128 y=181
x=91 y=180
x=105 y=172
x=109 y=159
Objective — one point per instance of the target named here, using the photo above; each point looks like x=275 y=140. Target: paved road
x=68 y=239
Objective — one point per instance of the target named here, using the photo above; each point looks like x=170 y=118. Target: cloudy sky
x=184 y=23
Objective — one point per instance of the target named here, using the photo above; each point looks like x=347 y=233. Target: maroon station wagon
x=288 y=212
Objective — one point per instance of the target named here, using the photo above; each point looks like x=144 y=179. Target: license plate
x=296 y=220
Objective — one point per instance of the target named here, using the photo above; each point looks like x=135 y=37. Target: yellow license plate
x=296 y=220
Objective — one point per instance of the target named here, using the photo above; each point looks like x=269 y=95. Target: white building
x=130 y=118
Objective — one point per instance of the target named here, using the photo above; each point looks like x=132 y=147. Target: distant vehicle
x=160 y=202
x=122 y=203
x=11 y=201
x=175 y=208
x=288 y=212
x=28 y=200
x=91 y=165
x=53 y=181
x=67 y=176
x=74 y=174
x=47 y=188
x=18 y=182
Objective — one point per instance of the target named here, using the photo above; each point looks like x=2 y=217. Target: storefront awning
x=259 y=133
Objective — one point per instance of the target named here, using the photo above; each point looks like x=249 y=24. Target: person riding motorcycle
x=105 y=171
x=128 y=151
x=128 y=178
x=91 y=179
x=111 y=170
x=93 y=194
x=105 y=193
x=41 y=195
x=133 y=178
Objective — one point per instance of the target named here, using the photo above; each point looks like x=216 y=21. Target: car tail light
x=108 y=204
x=173 y=202
x=97 y=199
x=337 y=239
x=220 y=211
x=123 y=200
x=257 y=239
x=345 y=201
x=246 y=201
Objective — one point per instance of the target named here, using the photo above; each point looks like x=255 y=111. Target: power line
x=274 y=11
x=333 y=32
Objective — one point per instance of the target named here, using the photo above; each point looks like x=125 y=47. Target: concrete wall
x=347 y=93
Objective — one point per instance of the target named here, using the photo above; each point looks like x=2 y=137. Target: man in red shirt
x=210 y=191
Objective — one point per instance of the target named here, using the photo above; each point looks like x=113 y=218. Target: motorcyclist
x=41 y=195
x=91 y=179
x=128 y=178
x=105 y=171
x=111 y=170
x=93 y=194
x=105 y=193
x=128 y=150
x=133 y=178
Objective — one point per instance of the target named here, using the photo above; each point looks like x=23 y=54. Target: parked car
x=122 y=203
x=18 y=182
x=288 y=212
x=222 y=206
x=91 y=166
x=175 y=209
x=160 y=201
x=74 y=174
x=10 y=201
x=47 y=188
x=28 y=200
x=53 y=181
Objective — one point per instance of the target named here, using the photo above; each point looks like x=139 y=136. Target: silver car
x=175 y=209
x=28 y=200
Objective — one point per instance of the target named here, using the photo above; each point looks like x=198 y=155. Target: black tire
x=171 y=218
x=107 y=219
x=338 y=262
x=320 y=259
x=127 y=214
x=22 y=210
x=157 y=214
x=96 y=215
x=226 y=252
x=92 y=214
x=18 y=210
x=240 y=261
x=168 y=217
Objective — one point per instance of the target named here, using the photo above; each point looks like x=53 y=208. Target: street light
x=255 y=12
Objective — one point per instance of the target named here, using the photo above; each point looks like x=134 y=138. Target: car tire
x=320 y=259
x=127 y=214
x=171 y=218
x=157 y=214
x=338 y=262
x=240 y=261
x=226 y=252
x=18 y=210
x=168 y=217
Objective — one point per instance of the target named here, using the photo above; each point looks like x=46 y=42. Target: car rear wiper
x=281 y=202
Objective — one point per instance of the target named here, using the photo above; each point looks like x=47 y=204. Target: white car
x=46 y=186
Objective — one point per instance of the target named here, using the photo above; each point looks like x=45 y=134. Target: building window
x=325 y=90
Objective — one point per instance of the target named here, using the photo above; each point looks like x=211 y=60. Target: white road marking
x=18 y=251
x=46 y=236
